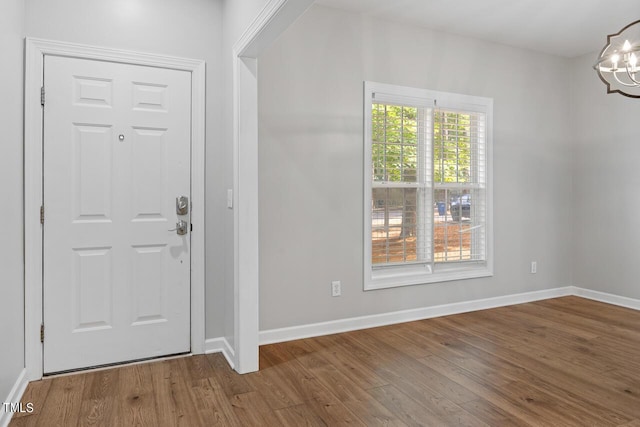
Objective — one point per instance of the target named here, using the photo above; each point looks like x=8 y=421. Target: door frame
x=35 y=50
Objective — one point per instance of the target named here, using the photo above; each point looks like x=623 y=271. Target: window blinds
x=428 y=186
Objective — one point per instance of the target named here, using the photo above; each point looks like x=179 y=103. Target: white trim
x=15 y=395
x=274 y=18
x=251 y=35
x=220 y=345
x=351 y=324
x=198 y=179
x=35 y=51
x=383 y=319
x=399 y=276
x=607 y=298
x=245 y=182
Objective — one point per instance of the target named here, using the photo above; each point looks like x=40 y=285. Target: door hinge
x=42 y=95
x=191 y=227
x=42 y=214
x=42 y=332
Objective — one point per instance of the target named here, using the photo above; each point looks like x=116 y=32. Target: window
x=427 y=186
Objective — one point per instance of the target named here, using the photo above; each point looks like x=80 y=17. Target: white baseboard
x=351 y=324
x=14 y=397
x=220 y=345
x=607 y=298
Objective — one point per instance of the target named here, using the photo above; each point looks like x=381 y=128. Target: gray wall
x=606 y=179
x=311 y=172
x=11 y=215
x=169 y=27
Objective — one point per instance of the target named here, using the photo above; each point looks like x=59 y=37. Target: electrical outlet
x=336 y=288
x=534 y=267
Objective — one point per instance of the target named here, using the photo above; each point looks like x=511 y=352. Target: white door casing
x=116 y=154
x=36 y=49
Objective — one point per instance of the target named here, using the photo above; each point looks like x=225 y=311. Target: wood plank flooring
x=560 y=362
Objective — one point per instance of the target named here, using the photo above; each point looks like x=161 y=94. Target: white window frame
x=411 y=273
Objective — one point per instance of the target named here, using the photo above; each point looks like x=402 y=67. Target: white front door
x=116 y=156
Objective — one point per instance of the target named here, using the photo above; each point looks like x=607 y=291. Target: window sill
x=383 y=279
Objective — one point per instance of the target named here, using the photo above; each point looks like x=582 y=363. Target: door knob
x=182 y=205
x=181 y=227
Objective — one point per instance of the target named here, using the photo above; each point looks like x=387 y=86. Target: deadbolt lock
x=182 y=205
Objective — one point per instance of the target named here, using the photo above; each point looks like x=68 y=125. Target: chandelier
x=618 y=65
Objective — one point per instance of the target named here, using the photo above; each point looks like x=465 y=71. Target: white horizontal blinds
x=425 y=176
x=400 y=184
x=460 y=180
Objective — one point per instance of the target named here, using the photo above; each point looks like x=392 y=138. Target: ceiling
x=566 y=28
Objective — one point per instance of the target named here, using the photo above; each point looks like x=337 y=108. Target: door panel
x=92 y=171
x=92 y=287
x=116 y=155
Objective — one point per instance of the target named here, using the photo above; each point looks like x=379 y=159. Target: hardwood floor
x=560 y=362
